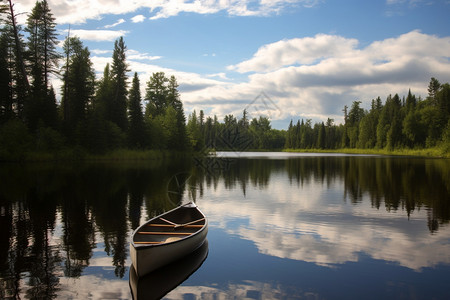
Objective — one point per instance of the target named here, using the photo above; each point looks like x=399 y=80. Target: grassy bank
x=437 y=152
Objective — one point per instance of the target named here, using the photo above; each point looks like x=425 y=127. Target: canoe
x=158 y=283
x=167 y=237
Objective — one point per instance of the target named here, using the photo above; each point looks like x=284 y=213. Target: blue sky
x=300 y=59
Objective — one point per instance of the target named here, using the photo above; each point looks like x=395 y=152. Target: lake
x=281 y=226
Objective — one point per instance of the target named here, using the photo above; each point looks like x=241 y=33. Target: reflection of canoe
x=160 y=282
x=167 y=238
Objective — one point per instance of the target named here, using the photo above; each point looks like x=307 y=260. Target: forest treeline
x=93 y=116
x=409 y=122
x=98 y=116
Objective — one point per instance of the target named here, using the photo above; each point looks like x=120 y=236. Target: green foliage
x=118 y=103
x=100 y=135
x=15 y=140
x=395 y=126
x=233 y=134
x=6 y=100
x=136 y=130
x=169 y=123
x=445 y=144
x=156 y=94
x=156 y=132
x=194 y=130
x=114 y=119
x=165 y=107
x=49 y=140
x=78 y=83
x=42 y=61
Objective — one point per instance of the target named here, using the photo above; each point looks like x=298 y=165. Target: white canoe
x=167 y=238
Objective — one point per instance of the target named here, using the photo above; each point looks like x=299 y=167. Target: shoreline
x=151 y=155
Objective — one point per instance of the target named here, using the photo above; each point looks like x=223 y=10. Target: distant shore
x=436 y=152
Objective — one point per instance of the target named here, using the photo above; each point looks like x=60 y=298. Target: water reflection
x=54 y=220
x=331 y=210
x=158 y=283
x=64 y=229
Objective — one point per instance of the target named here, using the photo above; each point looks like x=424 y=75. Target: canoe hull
x=147 y=258
x=163 y=280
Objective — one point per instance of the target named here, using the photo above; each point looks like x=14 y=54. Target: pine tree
x=321 y=137
x=162 y=94
x=43 y=59
x=156 y=94
x=6 y=101
x=78 y=83
x=20 y=87
x=42 y=42
x=119 y=69
x=288 y=144
x=104 y=93
x=433 y=88
x=136 y=130
x=194 y=132
x=173 y=100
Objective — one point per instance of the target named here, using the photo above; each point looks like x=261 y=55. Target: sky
x=281 y=59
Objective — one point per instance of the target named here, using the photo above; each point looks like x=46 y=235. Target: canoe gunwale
x=140 y=247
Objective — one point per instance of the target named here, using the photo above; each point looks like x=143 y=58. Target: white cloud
x=309 y=78
x=97 y=35
x=136 y=55
x=120 y=21
x=241 y=290
x=296 y=51
x=314 y=77
x=100 y=51
x=220 y=75
x=79 y=11
x=138 y=19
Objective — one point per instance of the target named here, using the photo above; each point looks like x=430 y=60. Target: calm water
x=282 y=226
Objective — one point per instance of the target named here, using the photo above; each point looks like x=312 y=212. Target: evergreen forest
x=399 y=123
x=93 y=116
x=99 y=116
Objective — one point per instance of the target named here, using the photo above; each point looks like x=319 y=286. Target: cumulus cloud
x=296 y=51
x=310 y=78
x=314 y=77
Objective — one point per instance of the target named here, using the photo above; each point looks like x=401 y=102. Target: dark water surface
x=282 y=226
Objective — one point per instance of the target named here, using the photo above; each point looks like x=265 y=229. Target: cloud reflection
x=247 y=289
x=315 y=223
x=87 y=287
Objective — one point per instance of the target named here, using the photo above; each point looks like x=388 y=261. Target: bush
x=49 y=140
x=15 y=140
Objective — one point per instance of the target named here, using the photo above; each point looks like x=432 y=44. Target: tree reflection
x=396 y=183
x=51 y=216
